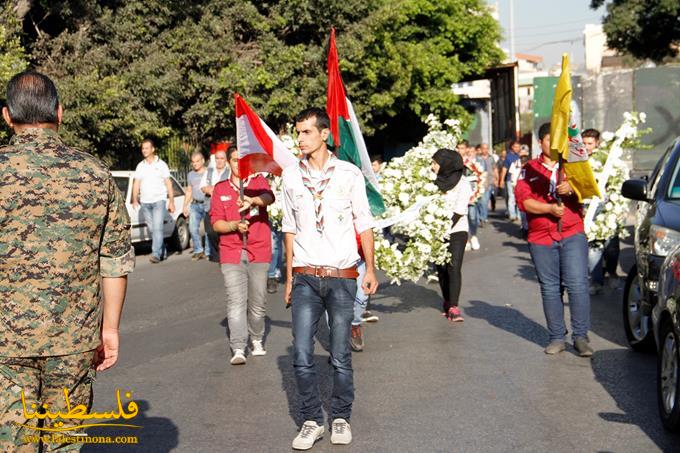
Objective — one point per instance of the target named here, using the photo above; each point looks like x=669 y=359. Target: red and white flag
x=259 y=149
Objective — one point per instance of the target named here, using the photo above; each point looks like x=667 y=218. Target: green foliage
x=12 y=56
x=169 y=69
x=642 y=28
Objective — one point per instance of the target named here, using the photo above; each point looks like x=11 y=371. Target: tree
x=169 y=69
x=645 y=29
x=12 y=56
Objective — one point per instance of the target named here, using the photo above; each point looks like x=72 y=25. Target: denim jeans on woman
x=153 y=214
x=197 y=212
x=312 y=296
x=564 y=263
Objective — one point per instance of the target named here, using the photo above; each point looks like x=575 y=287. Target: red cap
x=219 y=146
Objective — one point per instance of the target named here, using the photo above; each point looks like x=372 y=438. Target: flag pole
x=557 y=195
x=241 y=192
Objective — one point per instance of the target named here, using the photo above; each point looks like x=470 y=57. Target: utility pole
x=512 y=30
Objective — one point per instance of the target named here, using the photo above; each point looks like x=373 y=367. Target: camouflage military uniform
x=63 y=225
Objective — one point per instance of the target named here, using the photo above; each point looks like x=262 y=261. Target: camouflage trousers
x=43 y=380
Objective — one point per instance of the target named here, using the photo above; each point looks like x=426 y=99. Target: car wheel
x=180 y=237
x=636 y=324
x=667 y=382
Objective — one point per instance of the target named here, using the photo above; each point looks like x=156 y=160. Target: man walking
x=208 y=182
x=324 y=201
x=489 y=167
x=195 y=206
x=558 y=246
x=150 y=191
x=506 y=180
x=63 y=229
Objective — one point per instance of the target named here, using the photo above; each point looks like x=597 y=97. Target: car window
x=176 y=189
x=674 y=186
x=122 y=182
x=659 y=171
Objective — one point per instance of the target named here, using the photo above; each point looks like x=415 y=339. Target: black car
x=666 y=322
x=657 y=233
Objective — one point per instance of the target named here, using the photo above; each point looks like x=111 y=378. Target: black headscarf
x=450 y=168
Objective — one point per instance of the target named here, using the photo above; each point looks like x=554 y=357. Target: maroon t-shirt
x=223 y=207
x=534 y=183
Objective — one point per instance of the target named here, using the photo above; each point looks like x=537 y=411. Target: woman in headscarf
x=448 y=166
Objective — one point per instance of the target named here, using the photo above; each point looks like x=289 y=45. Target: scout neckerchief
x=553 y=178
x=318 y=189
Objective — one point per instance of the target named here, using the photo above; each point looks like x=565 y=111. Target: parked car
x=175 y=225
x=666 y=325
x=657 y=233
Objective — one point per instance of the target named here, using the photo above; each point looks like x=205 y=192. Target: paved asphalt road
x=422 y=384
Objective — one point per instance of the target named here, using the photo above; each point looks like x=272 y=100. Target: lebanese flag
x=259 y=149
x=345 y=130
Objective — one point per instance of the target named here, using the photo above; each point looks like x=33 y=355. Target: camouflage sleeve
x=116 y=255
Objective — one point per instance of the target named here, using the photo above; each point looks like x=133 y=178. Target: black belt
x=197 y=202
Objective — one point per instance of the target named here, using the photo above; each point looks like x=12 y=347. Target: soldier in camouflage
x=63 y=230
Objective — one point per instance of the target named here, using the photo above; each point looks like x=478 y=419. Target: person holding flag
x=550 y=193
x=245 y=252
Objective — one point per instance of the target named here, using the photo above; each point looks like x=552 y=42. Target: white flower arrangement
x=405 y=181
x=610 y=219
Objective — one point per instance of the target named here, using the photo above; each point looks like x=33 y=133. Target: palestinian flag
x=347 y=139
x=259 y=148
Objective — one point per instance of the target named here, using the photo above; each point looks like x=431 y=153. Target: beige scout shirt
x=63 y=225
x=346 y=212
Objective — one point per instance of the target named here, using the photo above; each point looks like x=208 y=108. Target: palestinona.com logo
x=62 y=421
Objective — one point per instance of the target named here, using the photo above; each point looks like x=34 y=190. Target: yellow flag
x=559 y=120
x=566 y=141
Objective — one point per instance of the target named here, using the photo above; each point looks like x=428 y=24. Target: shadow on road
x=508 y=319
x=410 y=295
x=630 y=379
x=158 y=434
x=324 y=372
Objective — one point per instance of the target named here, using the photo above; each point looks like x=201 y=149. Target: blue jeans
x=513 y=212
x=312 y=296
x=564 y=263
x=473 y=220
x=603 y=258
x=197 y=212
x=153 y=215
x=361 y=298
x=277 y=255
x=483 y=205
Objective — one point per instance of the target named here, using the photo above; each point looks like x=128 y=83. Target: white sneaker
x=239 y=358
x=467 y=246
x=474 y=243
x=258 y=349
x=342 y=433
x=309 y=433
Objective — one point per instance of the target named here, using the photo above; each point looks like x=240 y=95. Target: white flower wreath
x=611 y=217
x=405 y=181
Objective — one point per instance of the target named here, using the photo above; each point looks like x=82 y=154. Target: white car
x=175 y=226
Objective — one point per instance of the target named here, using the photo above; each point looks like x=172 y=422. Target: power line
x=561 y=23
x=554 y=42
x=554 y=32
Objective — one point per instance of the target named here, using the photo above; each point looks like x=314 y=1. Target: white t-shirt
x=515 y=170
x=151 y=177
x=457 y=200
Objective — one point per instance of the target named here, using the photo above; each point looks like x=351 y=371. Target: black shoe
x=272 y=285
x=582 y=345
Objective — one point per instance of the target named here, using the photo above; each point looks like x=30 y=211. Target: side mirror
x=635 y=189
